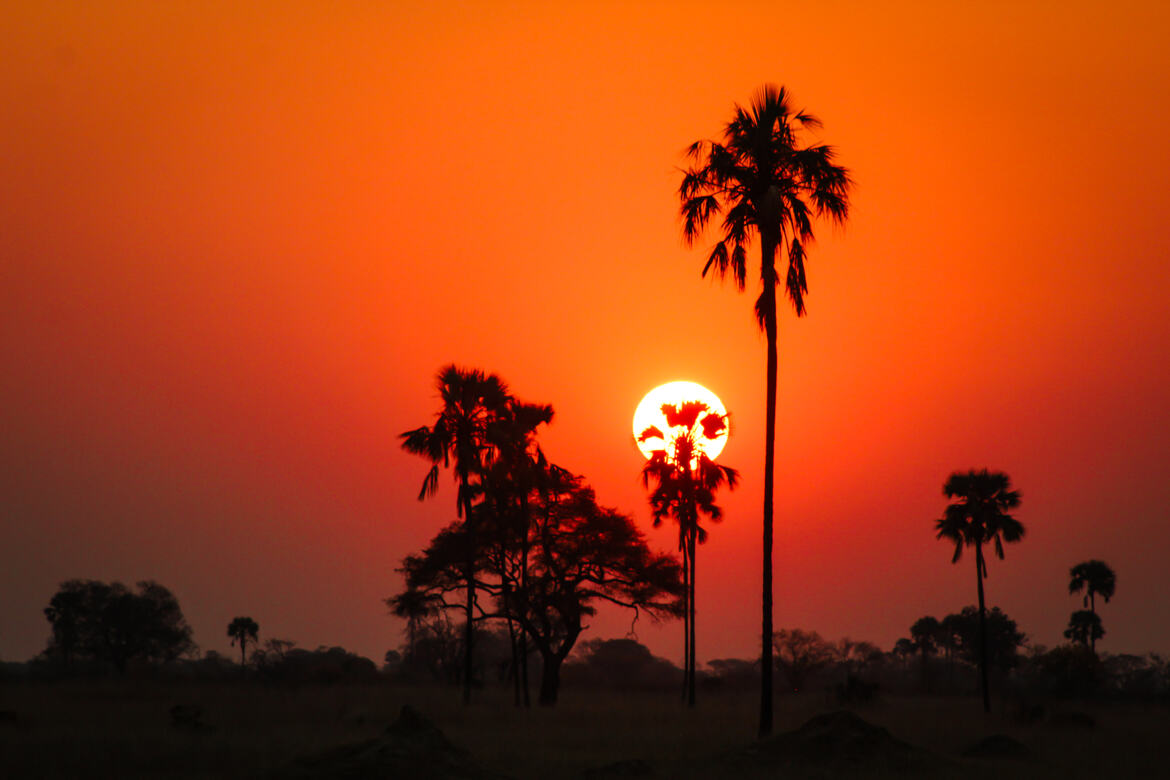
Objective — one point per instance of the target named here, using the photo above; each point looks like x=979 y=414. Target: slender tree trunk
x=469 y=574
x=686 y=616
x=982 y=628
x=550 y=679
x=768 y=248
x=243 y=644
x=523 y=601
x=691 y=607
x=1092 y=634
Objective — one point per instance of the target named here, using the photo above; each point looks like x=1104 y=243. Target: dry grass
x=124 y=730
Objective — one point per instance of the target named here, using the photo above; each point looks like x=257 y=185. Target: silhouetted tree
x=1084 y=627
x=580 y=554
x=459 y=435
x=926 y=633
x=415 y=607
x=1093 y=577
x=109 y=623
x=801 y=653
x=767 y=185
x=980 y=516
x=685 y=481
x=994 y=636
x=243 y=630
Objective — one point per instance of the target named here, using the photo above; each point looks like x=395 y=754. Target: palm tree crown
x=1095 y=578
x=980 y=516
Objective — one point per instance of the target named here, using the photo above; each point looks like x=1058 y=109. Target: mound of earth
x=411 y=747
x=998 y=746
x=840 y=741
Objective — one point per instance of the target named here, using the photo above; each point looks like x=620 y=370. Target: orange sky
x=236 y=245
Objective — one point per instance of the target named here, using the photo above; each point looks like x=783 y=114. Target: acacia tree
x=685 y=481
x=243 y=630
x=980 y=517
x=801 y=653
x=1093 y=577
x=768 y=185
x=580 y=554
x=471 y=402
x=111 y=624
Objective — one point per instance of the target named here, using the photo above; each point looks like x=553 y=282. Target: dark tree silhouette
x=1084 y=627
x=979 y=517
x=580 y=554
x=768 y=186
x=110 y=624
x=460 y=435
x=415 y=607
x=994 y=636
x=801 y=653
x=1093 y=577
x=685 y=481
x=926 y=633
x=243 y=630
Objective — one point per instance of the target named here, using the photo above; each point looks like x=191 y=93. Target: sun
x=649 y=413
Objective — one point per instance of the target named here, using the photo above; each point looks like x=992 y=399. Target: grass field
x=107 y=729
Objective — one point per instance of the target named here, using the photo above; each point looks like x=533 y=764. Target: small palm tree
x=243 y=630
x=1093 y=577
x=685 y=482
x=1084 y=627
x=460 y=435
x=768 y=186
x=980 y=517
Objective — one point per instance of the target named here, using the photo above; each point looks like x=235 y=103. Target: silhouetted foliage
x=1084 y=628
x=243 y=630
x=460 y=436
x=685 y=481
x=800 y=653
x=1003 y=638
x=979 y=517
x=624 y=664
x=768 y=186
x=579 y=554
x=1093 y=577
x=111 y=625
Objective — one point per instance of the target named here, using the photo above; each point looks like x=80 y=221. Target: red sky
x=236 y=245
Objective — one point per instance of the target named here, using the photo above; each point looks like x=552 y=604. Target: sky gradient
x=236 y=246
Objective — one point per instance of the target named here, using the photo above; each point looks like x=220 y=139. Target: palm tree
x=1093 y=577
x=1084 y=627
x=460 y=436
x=980 y=516
x=768 y=185
x=685 y=481
x=243 y=630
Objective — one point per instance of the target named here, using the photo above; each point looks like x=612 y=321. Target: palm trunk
x=686 y=617
x=769 y=277
x=469 y=574
x=979 y=568
x=691 y=607
x=1092 y=634
x=550 y=679
x=243 y=657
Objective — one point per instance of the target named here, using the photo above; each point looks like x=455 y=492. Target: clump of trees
x=531 y=547
x=1093 y=578
x=109 y=626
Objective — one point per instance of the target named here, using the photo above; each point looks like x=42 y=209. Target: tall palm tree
x=979 y=517
x=685 y=482
x=243 y=630
x=1094 y=577
x=768 y=186
x=460 y=435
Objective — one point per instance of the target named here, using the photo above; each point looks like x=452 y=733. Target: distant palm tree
x=1094 y=577
x=460 y=435
x=980 y=516
x=926 y=633
x=243 y=630
x=685 y=481
x=769 y=186
x=1085 y=628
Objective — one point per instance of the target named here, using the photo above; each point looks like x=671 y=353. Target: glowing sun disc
x=649 y=413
